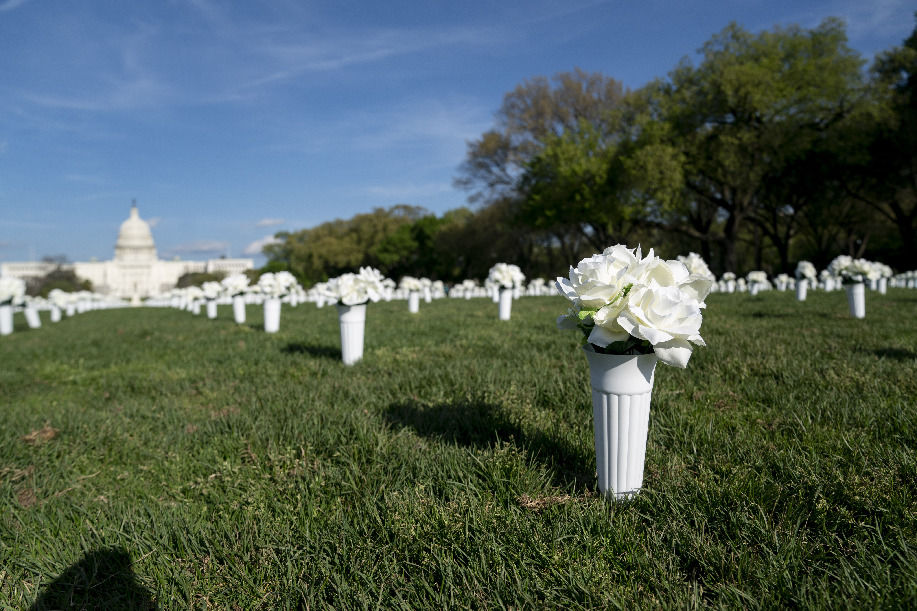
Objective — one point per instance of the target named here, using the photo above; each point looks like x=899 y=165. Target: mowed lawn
x=151 y=457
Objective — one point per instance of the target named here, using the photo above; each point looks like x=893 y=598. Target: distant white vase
x=753 y=288
x=495 y=294
x=730 y=286
x=468 y=294
x=622 y=386
x=353 y=324
x=414 y=302
x=506 y=303
x=211 y=308
x=802 y=289
x=856 y=299
x=6 y=319
x=238 y=309
x=196 y=307
x=32 y=318
x=873 y=284
x=883 y=285
x=71 y=309
x=55 y=314
x=272 y=315
x=427 y=295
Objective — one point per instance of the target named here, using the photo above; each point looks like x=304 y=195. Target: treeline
x=775 y=147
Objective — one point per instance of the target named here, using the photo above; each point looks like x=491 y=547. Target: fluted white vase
x=353 y=323
x=238 y=309
x=55 y=314
x=196 y=307
x=414 y=302
x=506 y=303
x=71 y=309
x=271 y=315
x=753 y=289
x=211 y=308
x=856 y=299
x=6 y=319
x=32 y=318
x=883 y=285
x=622 y=386
x=802 y=289
x=730 y=286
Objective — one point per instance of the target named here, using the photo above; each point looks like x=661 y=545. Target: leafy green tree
x=754 y=101
x=198 y=278
x=58 y=278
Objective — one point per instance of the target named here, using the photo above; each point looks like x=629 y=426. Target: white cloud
x=269 y=222
x=257 y=246
x=153 y=221
x=201 y=247
x=11 y=4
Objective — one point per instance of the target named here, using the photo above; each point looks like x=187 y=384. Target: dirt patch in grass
x=39 y=436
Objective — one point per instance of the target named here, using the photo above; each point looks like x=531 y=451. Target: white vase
x=495 y=295
x=6 y=319
x=71 y=309
x=238 y=309
x=32 y=318
x=55 y=314
x=753 y=289
x=211 y=308
x=802 y=289
x=621 y=389
x=730 y=286
x=353 y=323
x=883 y=285
x=856 y=299
x=413 y=302
x=506 y=303
x=195 y=307
x=271 y=315
x=427 y=295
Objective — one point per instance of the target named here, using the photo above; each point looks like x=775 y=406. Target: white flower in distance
x=211 y=290
x=354 y=289
x=12 y=290
x=506 y=275
x=278 y=284
x=758 y=277
x=235 y=284
x=727 y=276
x=804 y=269
x=409 y=283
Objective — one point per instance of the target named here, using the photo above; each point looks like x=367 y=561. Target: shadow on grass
x=101 y=579
x=322 y=352
x=768 y=315
x=896 y=354
x=478 y=424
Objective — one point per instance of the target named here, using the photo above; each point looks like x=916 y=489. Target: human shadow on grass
x=478 y=424
x=323 y=352
x=101 y=579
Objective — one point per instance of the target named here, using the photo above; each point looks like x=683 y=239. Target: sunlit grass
x=197 y=462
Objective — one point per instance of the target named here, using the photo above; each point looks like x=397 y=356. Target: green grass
x=194 y=463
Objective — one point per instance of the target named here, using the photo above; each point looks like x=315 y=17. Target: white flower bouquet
x=276 y=284
x=235 y=284
x=727 y=276
x=804 y=269
x=757 y=277
x=12 y=290
x=625 y=303
x=211 y=290
x=853 y=271
x=410 y=283
x=354 y=289
x=506 y=276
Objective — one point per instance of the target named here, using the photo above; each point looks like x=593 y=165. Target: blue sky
x=228 y=121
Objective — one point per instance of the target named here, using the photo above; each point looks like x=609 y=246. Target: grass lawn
x=148 y=456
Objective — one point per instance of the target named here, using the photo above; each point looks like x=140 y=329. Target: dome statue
x=135 y=240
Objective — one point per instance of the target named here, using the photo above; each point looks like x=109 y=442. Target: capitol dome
x=135 y=240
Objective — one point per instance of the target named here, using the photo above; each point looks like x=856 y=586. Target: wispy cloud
x=154 y=221
x=11 y=4
x=200 y=247
x=269 y=222
x=257 y=246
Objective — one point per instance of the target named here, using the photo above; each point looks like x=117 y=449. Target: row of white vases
x=33 y=318
x=856 y=296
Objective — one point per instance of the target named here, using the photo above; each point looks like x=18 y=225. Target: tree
x=531 y=115
x=198 y=278
x=752 y=103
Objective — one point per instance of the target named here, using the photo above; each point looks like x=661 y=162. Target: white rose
x=665 y=316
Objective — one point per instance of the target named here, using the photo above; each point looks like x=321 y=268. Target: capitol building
x=135 y=272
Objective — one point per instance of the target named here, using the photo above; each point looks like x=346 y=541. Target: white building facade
x=136 y=271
